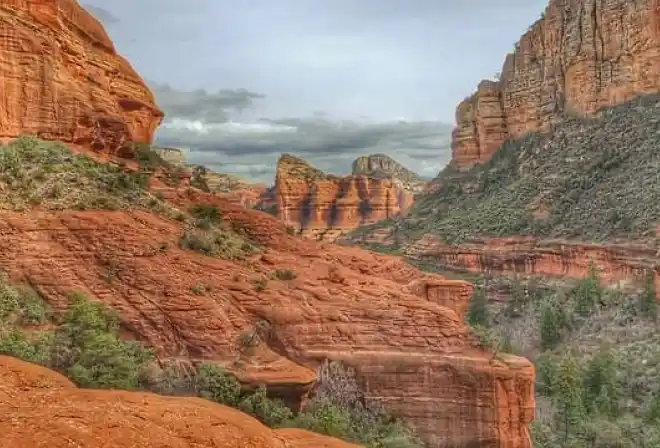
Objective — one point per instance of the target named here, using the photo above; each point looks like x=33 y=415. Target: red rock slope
x=47 y=410
x=580 y=56
x=400 y=328
x=61 y=78
x=324 y=206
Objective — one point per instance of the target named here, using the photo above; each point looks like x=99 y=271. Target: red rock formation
x=528 y=256
x=61 y=79
x=46 y=409
x=580 y=56
x=400 y=328
x=325 y=206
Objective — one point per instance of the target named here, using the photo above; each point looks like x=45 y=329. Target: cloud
x=102 y=15
x=201 y=105
x=253 y=148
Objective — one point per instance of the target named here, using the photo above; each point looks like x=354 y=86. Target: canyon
x=62 y=79
x=322 y=206
x=401 y=329
x=578 y=57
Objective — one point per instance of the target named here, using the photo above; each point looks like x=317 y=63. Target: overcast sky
x=329 y=80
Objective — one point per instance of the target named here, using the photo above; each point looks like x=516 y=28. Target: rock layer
x=61 y=79
x=325 y=206
x=581 y=55
x=400 y=328
x=380 y=166
x=47 y=410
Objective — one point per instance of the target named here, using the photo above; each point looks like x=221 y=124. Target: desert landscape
x=148 y=300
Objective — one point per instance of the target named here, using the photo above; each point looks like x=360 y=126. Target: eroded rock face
x=400 y=328
x=324 y=206
x=380 y=166
x=61 y=79
x=580 y=56
x=43 y=406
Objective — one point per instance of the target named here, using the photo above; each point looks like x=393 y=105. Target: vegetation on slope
x=597 y=356
x=84 y=345
x=592 y=178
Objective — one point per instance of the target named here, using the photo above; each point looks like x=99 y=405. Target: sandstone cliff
x=325 y=206
x=580 y=56
x=43 y=404
x=61 y=79
x=380 y=166
x=401 y=329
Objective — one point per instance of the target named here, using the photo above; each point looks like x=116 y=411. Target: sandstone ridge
x=383 y=166
x=325 y=206
x=580 y=56
x=61 y=79
x=43 y=406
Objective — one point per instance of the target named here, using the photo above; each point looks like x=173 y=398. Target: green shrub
x=216 y=385
x=206 y=213
x=271 y=412
x=477 y=313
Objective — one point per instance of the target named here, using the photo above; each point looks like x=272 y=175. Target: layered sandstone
x=324 y=206
x=61 y=79
x=47 y=410
x=383 y=166
x=580 y=56
x=617 y=263
x=400 y=328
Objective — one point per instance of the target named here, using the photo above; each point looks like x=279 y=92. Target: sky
x=328 y=80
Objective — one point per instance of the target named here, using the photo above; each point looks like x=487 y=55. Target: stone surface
x=173 y=156
x=61 y=79
x=400 y=328
x=46 y=410
x=382 y=166
x=229 y=186
x=324 y=206
x=616 y=263
x=580 y=56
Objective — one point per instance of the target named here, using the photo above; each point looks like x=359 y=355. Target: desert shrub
x=206 y=213
x=88 y=349
x=147 y=158
x=216 y=385
x=216 y=242
x=271 y=412
x=339 y=408
x=285 y=274
x=477 y=312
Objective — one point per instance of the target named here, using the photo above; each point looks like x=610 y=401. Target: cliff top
x=298 y=167
x=382 y=165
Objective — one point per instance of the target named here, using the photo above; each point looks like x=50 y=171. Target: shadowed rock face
x=580 y=56
x=61 y=79
x=44 y=405
x=325 y=206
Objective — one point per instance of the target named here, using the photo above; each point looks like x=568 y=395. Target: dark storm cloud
x=210 y=107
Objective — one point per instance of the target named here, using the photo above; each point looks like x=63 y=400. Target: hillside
x=590 y=179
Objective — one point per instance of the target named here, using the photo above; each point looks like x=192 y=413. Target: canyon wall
x=61 y=79
x=580 y=56
x=325 y=206
x=381 y=166
x=622 y=264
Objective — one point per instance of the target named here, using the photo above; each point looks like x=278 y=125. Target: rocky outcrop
x=580 y=56
x=46 y=409
x=400 y=328
x=325 y=206
x=172 y=156
x=380 y=166
x=61 y=79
